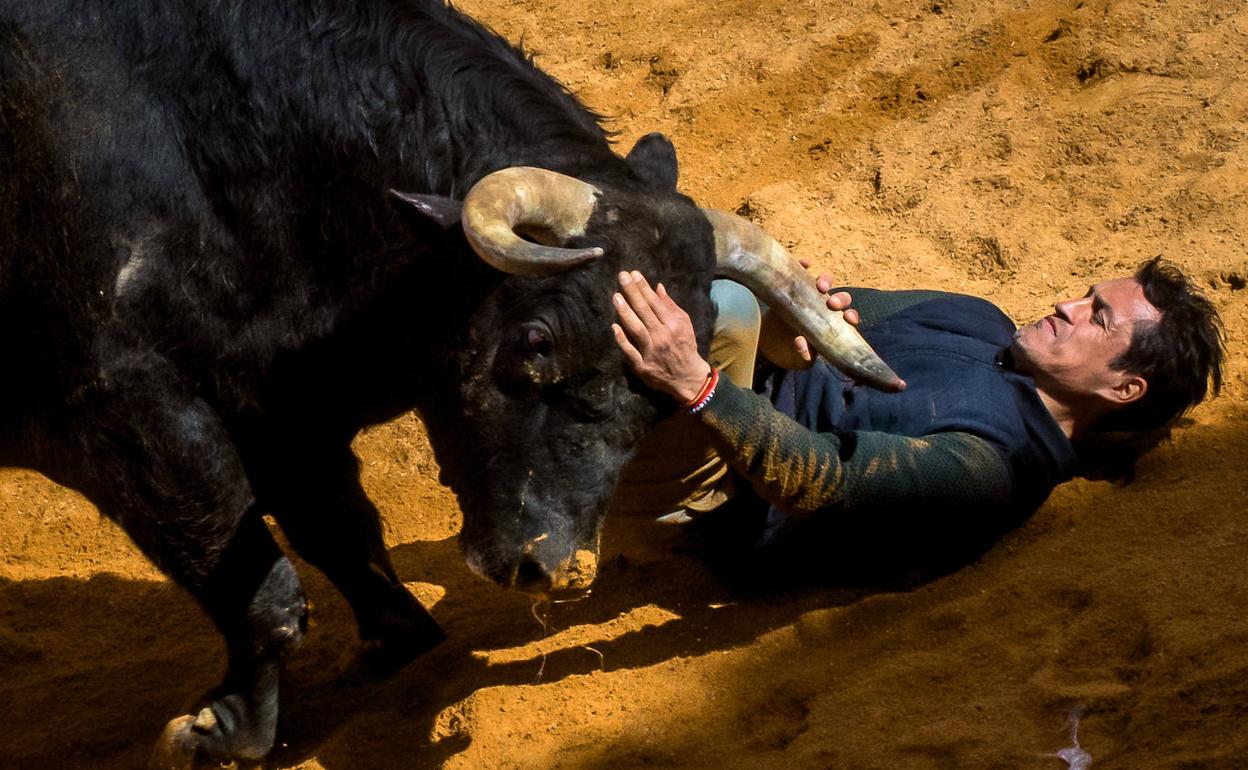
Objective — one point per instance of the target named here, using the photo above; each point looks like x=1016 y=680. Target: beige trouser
x=675 y=467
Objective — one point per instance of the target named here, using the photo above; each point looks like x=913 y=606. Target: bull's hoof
x=178 y=747
x=175 y=749
x=199 y=742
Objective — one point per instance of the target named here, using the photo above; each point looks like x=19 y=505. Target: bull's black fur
x=206 y=291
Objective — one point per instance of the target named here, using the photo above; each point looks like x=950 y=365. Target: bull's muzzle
x=570 y=578
x=542 y=569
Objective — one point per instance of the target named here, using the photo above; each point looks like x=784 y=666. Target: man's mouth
x=1048 y=319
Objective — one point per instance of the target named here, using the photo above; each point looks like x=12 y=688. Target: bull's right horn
x=748 y=255
x=543 y=204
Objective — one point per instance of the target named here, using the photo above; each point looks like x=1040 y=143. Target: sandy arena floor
x=1015 y=150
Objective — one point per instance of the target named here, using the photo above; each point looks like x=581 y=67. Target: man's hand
x=657 y=339
x=782 y=346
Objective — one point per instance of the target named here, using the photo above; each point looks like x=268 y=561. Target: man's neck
x=1061 y=413
x=1071 y=415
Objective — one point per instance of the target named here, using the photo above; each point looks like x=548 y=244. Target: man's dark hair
x=1179 y=355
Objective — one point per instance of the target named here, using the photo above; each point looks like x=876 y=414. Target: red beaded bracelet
x=699 y=401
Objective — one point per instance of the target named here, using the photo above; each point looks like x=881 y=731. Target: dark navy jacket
x=967 y=448
x=949 y=350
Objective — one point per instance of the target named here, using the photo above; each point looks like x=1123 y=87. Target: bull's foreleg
x=313 y=489
x=255 y=599
x=159 y=462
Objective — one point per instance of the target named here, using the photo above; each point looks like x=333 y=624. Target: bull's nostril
x=531 y=577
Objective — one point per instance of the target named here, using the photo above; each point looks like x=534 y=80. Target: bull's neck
x=429 y=100
x=301 y=116
x=351 y=101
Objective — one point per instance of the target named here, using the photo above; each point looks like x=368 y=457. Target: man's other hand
x=784 y=347
x=657 y=338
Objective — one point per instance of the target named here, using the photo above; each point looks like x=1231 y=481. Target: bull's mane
x=406 y=82
x=293 y=117
x=489 y=76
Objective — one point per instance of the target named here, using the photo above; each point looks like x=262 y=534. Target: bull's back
x=154 y=186
x=81 y=160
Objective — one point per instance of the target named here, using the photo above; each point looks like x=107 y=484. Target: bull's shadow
x=339 y=719
x=713 y=602
x=87 y=665
x=89 y=669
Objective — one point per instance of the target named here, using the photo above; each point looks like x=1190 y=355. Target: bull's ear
x=654 y=159
x=443 y=211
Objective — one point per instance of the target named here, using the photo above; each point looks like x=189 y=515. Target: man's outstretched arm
x=794 y=468
x=801 y=471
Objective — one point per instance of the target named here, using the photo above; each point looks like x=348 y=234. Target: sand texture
x=1015 y=150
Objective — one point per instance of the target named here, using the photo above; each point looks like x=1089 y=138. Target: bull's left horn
x=748 y=255
x=545 y=205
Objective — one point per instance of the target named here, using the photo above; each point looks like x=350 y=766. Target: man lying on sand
x=992 y=418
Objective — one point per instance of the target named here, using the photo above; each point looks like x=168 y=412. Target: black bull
x=231 y=237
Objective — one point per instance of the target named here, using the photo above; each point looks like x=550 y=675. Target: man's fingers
x=632 y=325
x=842 y=301
x=640 y=281
x=802 y=348
x=673 y=314
x=665 y=300
x=638 y=293
x=664 y=306
x=631 y=354
x=657 y=304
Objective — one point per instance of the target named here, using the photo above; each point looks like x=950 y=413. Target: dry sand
x=1018 y=151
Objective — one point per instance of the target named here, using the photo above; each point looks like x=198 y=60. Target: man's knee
x=737 y=308
x=735 y=343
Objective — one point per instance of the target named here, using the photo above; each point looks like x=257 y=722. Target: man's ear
x=1130 y=388
x=443 y=211
x=654 y=159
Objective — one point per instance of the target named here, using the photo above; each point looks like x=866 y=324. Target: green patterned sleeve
x=876 y=305
x=802 y=471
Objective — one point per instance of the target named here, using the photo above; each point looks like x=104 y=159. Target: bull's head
x=549 y=405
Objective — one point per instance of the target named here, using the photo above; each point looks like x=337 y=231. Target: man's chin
x=1017 y=355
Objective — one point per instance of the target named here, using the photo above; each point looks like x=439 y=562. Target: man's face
x=1072 y=350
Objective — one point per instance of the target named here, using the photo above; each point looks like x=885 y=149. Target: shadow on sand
x=90 y=669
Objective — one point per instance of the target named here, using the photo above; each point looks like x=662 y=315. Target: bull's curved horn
x=748 y=255
x=543 y=204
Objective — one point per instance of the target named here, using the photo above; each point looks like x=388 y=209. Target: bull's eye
x=538 y=339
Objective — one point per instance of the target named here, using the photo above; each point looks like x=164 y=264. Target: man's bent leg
x=676 y=471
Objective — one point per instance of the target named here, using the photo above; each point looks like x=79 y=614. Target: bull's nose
x=531 y=577
x=568 y=581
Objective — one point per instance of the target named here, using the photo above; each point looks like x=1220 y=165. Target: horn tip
x=878 y=375
x=889 y=383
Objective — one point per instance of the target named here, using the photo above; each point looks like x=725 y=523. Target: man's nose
x=1069 y=309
